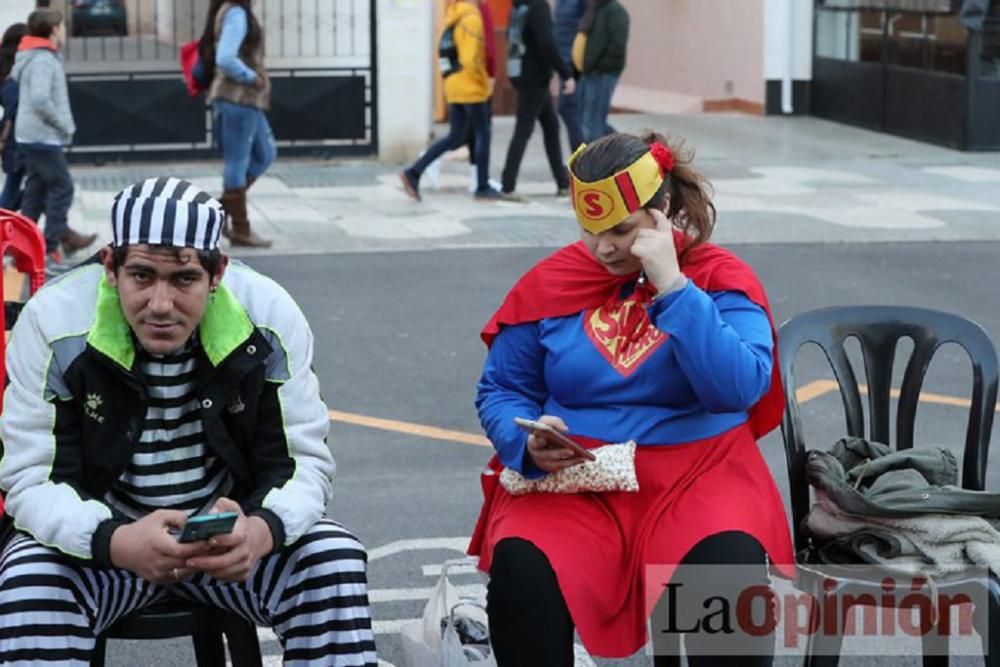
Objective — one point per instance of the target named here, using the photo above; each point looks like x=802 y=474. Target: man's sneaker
x=489 y=194
x=514 y=197
x=55 y=264
x=72 y=241
x=410 y=183
x=562 y=192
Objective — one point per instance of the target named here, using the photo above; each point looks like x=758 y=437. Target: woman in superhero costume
x=640 y=331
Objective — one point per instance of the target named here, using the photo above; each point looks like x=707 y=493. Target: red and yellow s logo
x=595 y=205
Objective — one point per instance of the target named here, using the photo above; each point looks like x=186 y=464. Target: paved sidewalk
x=776 y=180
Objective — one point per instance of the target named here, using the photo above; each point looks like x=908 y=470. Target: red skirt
x=599 y=544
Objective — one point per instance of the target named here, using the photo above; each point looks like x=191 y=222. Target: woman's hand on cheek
x=654 y=247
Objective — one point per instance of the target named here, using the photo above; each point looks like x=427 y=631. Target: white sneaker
x=432 y=175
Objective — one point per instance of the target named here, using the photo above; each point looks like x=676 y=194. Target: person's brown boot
x=225 y=221
x=72 y=241
x=236 y=227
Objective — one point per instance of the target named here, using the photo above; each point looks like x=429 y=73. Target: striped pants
x=313 y=594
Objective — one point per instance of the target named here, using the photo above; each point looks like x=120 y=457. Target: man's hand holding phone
x=548 y=448
x=149 y=548
x=233 y=555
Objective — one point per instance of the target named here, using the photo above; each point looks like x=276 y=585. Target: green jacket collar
x=223 y=327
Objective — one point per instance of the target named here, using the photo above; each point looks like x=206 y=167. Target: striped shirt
x=171 y=467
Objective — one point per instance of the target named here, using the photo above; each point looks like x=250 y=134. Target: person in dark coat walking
x=606 y=26
x=566 y=21
x=531 y=59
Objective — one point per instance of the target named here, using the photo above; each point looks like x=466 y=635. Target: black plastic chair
x=205 y=625
x=878 y=330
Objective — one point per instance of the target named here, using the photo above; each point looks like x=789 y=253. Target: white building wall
x=788 y=39
x=683 y=53
x=405 y=77
x=14 y=11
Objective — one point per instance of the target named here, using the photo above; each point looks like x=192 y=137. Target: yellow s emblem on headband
x=602 y=204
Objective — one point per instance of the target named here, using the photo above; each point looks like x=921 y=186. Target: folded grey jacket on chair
x=902 y=509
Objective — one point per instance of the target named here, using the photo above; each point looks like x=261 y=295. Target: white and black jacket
x=73 y=408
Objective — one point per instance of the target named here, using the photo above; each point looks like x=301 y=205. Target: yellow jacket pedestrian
x=471 y=84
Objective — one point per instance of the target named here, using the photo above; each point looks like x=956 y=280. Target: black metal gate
x=130 y=102
x=916 y=74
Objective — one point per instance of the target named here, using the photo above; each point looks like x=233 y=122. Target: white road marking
x=390 y=627
x=875 y=217
x=913 y=201
x=765 y=187
x=403 y=594
x=435 y=570
x=459 y=544
x=811 y=175
x=967 y=174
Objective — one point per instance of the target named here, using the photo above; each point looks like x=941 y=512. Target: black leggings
x=530 y=625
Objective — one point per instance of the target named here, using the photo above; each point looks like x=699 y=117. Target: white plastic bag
x=434 y=640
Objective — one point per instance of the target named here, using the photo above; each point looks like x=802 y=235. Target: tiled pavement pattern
x=776 y=180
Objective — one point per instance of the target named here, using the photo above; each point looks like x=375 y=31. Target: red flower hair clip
x=664 y=157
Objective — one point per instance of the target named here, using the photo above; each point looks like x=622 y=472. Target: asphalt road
x=397 y=339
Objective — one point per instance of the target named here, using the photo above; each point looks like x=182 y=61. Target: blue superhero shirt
x=704 y=359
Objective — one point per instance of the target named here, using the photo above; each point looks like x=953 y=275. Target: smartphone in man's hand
x=535 y=427
x=203 y=526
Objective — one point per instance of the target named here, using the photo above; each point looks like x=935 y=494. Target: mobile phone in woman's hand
x=537 y=427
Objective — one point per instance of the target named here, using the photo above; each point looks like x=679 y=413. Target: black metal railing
x=130 y=103
x=146 y=34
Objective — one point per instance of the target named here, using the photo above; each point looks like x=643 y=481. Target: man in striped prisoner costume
x=157 y=381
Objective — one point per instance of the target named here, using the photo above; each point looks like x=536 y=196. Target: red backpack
x=198 y=72
x=490 y=39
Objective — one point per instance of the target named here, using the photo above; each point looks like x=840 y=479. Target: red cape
x=490 y=38
x=571 y=280
x=565 y=283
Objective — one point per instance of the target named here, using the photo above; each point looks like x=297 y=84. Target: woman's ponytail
x=690 y=207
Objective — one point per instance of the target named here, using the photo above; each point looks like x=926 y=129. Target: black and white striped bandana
x=166 y=211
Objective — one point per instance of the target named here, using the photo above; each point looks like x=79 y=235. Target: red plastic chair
x=21 y=238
